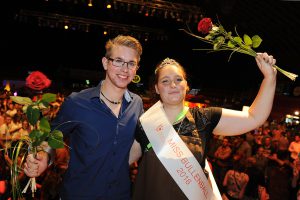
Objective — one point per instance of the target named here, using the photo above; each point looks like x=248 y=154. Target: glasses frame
x=123 y=62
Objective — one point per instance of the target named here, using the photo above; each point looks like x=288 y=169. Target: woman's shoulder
x=206 y=111
x=207 y=115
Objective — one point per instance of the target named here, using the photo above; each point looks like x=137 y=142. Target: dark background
x=31 y=43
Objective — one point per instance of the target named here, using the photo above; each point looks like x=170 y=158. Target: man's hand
x=34 y=167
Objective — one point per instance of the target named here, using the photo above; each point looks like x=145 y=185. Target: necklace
x=110 y=101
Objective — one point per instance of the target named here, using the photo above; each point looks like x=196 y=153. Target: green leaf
x=221 y=29
x=229 y=34
x=35 y=134
x=43 y=104
x=44 y=125
x=209 y=37
x=49 y=97
x=37 y=137
x=238 y=40
x=24 y=108
x=33 y=115
x=221 y=39
x=216 y=46
x=230 y=44
x=247 y=40
x=55 y=140
x=256 y=41
x=44 y=136
x=21 y=100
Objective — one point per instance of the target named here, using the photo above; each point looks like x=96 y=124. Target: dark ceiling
x=33 y=37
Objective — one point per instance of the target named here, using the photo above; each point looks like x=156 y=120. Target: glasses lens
x=131 y=65
x=118 y=63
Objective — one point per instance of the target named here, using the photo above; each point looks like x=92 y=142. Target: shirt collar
x=95 y=93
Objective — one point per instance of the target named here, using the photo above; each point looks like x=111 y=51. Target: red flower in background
x=205 y=25
x=37 y=81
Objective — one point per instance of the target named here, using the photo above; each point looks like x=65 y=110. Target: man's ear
x=156 y=90
x=104 y=63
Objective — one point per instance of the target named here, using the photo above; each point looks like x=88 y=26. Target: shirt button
x=115 y=142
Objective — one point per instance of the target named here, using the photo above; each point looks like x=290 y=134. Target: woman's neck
x=172 y=111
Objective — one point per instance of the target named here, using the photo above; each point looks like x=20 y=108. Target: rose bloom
x=205 y=25
x=37 y=81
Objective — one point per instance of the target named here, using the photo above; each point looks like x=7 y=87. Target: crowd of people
x=109 y=132
x=258 y=164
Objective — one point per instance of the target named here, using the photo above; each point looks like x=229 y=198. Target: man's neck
x=111 y=91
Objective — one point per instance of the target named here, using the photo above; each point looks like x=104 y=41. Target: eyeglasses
x=120 y=63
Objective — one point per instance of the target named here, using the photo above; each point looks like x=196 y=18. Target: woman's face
x=171 y=85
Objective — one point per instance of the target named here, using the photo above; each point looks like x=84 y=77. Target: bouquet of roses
x=223 y=40
x=40 y=137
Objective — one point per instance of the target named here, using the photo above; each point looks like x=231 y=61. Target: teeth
x=122 y=76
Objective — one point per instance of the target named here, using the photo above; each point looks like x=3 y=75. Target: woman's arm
x=135 y=152
x=235 y=122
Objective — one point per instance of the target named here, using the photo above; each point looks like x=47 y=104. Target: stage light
x=90 y=4
x=108 y=4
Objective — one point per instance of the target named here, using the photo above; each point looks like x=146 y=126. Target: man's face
x=120 y=76
x=8 y=120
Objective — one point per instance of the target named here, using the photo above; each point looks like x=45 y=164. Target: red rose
x=205 y=25
x=37 y=81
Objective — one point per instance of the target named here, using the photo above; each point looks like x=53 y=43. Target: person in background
x=195 y=126
x=256 y=187
x=294 y=148
x=236 y=179
x=99 y=124
x=222 y=161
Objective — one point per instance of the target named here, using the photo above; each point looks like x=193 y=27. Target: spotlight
x=108 y=4
x=90 y=4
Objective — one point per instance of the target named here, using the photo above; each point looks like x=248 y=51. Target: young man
x=100 y=123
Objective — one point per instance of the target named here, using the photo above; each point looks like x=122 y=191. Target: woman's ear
x=156 y=90
x=104 y=63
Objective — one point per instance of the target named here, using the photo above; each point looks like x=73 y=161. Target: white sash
x=176 y=157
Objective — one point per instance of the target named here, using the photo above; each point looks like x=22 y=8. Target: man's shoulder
x=134 y=96
x=83 y=94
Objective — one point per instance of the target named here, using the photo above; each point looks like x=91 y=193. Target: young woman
x=195 y=128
